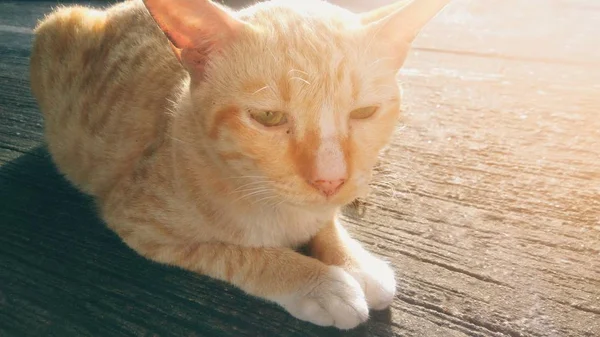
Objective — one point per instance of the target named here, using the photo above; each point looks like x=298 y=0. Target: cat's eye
x=363 y=113
x=270 y=118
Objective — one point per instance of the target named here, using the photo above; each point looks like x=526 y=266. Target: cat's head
x=296 y=98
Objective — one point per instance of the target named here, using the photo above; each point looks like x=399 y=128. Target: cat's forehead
x=305 y=58
x=274 y=10
x=308 y=19
x=302 y=35
x=307 y=80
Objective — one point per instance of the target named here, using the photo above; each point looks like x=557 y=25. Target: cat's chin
x=316 y=205
x=322 y=203
x=343 y=198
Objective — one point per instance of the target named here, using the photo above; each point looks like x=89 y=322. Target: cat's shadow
x=62 y=264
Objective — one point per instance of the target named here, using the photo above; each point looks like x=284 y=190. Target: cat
x=219 y=141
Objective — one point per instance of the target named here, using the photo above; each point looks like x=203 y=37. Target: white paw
x=335 y=299
x=377 y=280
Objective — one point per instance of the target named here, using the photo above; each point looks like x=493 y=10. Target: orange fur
x=164 y=141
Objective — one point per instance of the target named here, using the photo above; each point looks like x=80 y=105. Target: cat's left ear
x=398 y=24
x=195 y=28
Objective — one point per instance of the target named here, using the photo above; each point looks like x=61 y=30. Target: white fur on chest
x=282 y=228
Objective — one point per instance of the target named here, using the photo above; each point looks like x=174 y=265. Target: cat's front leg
x=307 y=288
x=333 y=246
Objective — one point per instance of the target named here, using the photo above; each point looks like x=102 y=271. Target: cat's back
x=77 y=47
x=103 y=80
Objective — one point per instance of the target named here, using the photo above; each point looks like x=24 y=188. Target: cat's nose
x=328 y=187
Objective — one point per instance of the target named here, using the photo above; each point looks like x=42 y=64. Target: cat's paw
x=377 y=280
x=334 y=299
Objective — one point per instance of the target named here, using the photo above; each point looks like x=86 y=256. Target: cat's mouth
x=276 y=193
x=346 y=193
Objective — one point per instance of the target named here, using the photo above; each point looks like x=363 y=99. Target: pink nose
x=328 y=187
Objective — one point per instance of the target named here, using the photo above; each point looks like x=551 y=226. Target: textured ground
x=488 y=204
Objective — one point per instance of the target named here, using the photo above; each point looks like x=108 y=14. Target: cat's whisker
x=256 y=183
x=245 y=198
x=300 y=79
x=249 y=177
x=263 y=200
x=257 y=192
x=246 y=188
x=251 y=183
x=256 y=180
x=248 y=180
x=251 y=180
x=246 y=176
x=261 y=89
x=277 y=201
x=298 y=71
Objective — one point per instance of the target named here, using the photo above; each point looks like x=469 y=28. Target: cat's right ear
x=195 y=28
x=398 y=24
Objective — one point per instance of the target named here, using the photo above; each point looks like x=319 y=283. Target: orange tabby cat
x=218 y=141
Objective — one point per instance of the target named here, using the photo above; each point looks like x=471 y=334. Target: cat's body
x=185 y=177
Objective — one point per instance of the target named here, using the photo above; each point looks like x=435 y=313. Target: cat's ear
x=398 y=24
x=195 y=28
